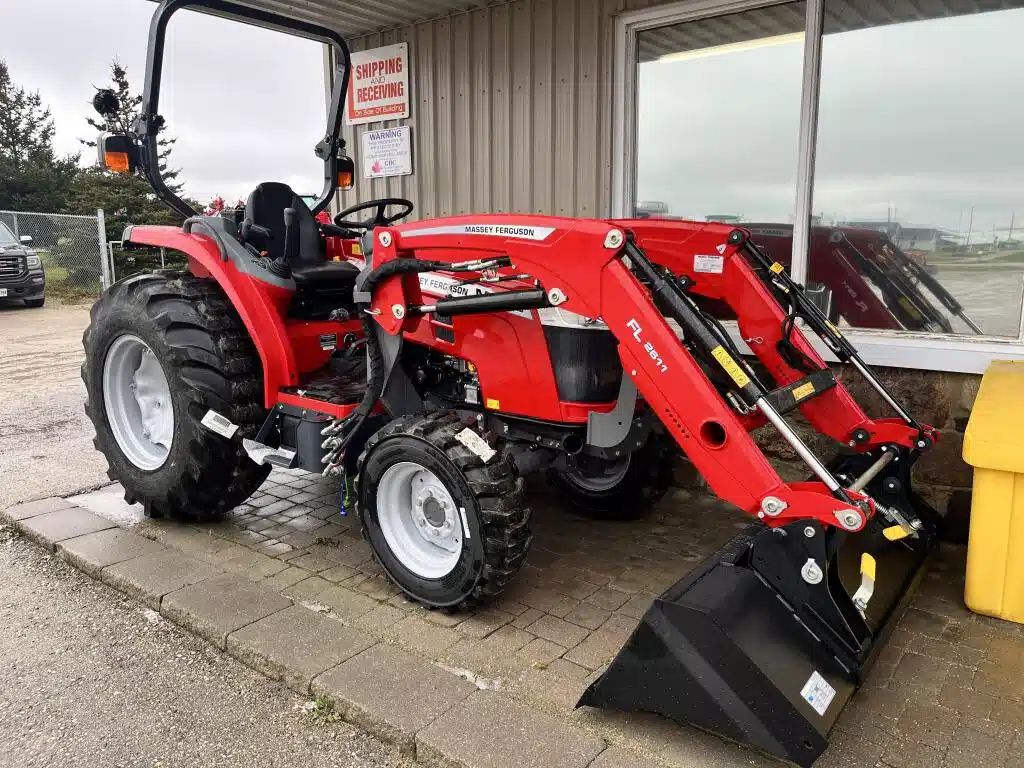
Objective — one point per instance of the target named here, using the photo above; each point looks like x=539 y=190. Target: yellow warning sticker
x=730 y=366
x=357 y=249
x=909 y=307
x=894 y=533
x=776 y=268
x=804 y=390
x=867 y=566
x=493 y=404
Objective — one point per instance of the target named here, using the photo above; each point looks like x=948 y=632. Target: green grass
x=324 y=711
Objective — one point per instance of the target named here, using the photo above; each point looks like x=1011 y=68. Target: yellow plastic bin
x=994 y=446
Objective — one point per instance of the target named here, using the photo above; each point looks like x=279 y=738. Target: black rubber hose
x=375 y=384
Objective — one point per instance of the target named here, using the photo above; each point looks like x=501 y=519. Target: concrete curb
x=432 y=715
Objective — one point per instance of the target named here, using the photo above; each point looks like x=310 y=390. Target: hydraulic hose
x=340 y=433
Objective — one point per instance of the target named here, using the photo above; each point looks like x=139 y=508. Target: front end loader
x=432 y=365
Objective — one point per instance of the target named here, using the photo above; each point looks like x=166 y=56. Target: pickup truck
x=21 y=270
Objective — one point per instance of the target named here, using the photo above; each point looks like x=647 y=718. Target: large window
x=883 y=164
x=718 y=109
x=920 y=160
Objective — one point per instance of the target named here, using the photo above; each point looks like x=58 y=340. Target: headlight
x=33 y=262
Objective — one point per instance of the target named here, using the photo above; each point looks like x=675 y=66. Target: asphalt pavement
x=89 y=677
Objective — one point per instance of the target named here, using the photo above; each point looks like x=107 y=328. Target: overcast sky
x=246 y=104
x=925 y=116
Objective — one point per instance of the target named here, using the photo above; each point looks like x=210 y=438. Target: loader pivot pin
x=811 y=572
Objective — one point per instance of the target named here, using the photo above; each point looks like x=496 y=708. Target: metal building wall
x=511 y=110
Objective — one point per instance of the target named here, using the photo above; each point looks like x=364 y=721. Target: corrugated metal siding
x=511 y=110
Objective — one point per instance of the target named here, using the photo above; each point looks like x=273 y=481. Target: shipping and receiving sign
x=387 y=152
x=378 y=88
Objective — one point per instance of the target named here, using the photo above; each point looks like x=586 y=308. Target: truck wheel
x=620 y=489
x=447 y=527
x=160 y=352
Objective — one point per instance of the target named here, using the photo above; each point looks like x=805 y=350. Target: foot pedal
x=788 y=398
x=264 y=454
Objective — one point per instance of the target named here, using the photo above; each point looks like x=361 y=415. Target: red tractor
x=450 y=358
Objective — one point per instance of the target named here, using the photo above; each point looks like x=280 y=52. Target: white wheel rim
x=419 y=519
x=138 y=402
x=610 y=475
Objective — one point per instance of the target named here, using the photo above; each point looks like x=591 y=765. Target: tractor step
x=264 y=454
x=791 y=396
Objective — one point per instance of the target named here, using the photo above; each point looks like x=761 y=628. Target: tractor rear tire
x=478 y=532
x=207 y=361
x=623 y=490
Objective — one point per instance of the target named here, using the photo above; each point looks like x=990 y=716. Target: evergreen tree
x=32 y=176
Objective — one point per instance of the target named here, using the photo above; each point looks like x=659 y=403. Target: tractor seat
x=320 y=286
x=326 y=275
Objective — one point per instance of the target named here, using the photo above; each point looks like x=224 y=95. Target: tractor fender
x=259 y=300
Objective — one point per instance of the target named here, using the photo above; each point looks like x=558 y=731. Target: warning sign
x=387 y=152
x=378 y=88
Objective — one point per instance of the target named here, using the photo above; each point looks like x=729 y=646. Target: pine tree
x=32 y=176
x=123 y=121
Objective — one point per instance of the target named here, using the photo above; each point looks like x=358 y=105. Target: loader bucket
x=743 y=646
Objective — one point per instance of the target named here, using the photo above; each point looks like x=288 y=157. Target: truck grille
x=12 y=266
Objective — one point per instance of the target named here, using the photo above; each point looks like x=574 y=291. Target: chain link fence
x=73 y=250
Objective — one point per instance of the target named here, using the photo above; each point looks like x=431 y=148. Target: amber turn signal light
x=117 y=162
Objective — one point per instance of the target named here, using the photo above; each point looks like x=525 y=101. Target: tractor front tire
x=449 y=528
x=623 y=489
x=161 y=351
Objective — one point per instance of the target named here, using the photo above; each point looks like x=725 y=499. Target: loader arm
x=591 y=278
x=720 y=270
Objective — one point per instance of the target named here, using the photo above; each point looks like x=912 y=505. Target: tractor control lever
x=289 y=222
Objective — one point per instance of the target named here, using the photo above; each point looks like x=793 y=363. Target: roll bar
x=149 y=122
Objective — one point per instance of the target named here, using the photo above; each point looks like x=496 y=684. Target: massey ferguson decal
x=494 y=230
x=440 y=285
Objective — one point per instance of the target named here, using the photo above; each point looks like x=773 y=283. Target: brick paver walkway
x=948 y=689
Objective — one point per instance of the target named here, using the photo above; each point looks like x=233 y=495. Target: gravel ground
x=91 y=678
x=45 y=437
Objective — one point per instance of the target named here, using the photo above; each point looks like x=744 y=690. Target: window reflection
x=718 y=107
x=919 y=189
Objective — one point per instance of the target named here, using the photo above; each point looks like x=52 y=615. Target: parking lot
x=45 y=438
x=947 y=690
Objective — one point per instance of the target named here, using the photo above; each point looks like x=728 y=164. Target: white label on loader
x=709 y=264
x=818 y=693
x=222 y=425
x=476 y=444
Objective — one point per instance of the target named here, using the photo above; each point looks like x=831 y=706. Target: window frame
x=897 y=349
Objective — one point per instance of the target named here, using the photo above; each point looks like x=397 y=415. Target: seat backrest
x=265 y=207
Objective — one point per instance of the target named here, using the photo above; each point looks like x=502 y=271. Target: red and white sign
x=378 y=88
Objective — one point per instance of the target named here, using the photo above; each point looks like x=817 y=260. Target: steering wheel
x=379 y=219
